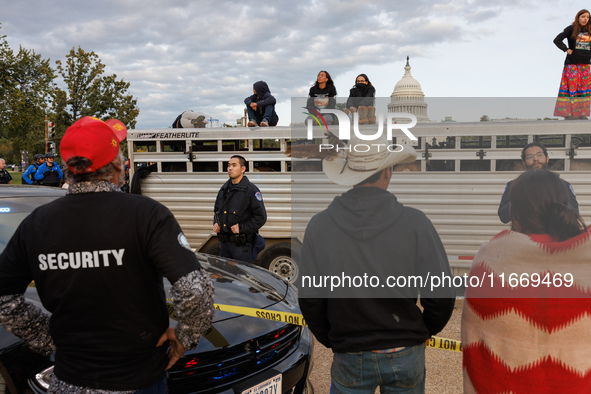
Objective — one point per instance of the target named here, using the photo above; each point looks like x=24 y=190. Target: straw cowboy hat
x=365 y=159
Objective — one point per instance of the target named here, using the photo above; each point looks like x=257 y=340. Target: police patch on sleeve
x=183 y=241
x=259 y=196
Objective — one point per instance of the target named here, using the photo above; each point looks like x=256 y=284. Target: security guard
x=29 y=174
x=50 y=174
x=239 y=213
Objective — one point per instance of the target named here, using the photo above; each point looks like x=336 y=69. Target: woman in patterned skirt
x=574 y=96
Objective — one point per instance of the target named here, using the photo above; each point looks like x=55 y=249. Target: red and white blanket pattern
x=529 y=339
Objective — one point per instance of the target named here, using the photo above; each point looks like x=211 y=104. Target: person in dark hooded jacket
x=361 y=99
x=375 y=253
x=261 y=106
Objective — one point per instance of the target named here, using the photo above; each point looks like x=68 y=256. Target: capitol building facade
x=408 y=97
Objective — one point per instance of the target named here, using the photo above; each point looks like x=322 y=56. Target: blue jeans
x=362 y=372
x=267 y=113
x=160 y=387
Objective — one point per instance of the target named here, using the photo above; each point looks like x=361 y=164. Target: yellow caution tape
x=298 y=319
x=288 y=318
x=446 y=344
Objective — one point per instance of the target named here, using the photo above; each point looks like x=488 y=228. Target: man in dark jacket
x=261 y=106
x=239 y=213
x=377 y=254
x=533 y=155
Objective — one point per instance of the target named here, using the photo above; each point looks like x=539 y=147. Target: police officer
x=5 y=177
x=29 y=174
x=239 y=213
x=50 y=174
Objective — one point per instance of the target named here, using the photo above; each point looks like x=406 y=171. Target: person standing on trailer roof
x=574 y=95
x=239 y=213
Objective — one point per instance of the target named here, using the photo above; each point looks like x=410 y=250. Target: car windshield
x=12 y=212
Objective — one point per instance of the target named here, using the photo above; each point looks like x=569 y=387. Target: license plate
x=269 y=386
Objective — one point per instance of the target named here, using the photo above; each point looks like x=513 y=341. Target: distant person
x=49 y=173
x=322 y=95
x=239 y=213
x=523 y=325
x=362 y=100
x=99 y=272
x=377 y=334
x=260 y=107
x=533 y=155
x=5 y=177
x=574 y=96
x=29 y=174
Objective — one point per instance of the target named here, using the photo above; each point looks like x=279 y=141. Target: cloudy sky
x=205 y=55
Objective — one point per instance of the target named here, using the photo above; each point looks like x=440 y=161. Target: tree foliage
x=29 y=92
x=90 y=93
x=26 y=87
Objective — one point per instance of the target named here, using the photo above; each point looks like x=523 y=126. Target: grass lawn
x=16 y=177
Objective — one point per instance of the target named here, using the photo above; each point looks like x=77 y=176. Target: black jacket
x=263 y=98
x=361 y=97
x=328 y=93
x=4 y=176
x=240 y=204
x=367 y=231
x=581 y=47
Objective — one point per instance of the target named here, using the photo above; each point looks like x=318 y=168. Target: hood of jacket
x=261 y=88
x=360 y=211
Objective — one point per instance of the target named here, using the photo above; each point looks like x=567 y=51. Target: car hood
x=247 y=285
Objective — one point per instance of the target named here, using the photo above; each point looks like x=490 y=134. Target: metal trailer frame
x=461 y=197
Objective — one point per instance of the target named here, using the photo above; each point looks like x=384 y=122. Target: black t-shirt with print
x=98 y=260
x=581 y=46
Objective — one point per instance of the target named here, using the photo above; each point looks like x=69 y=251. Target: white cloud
x=199 y=55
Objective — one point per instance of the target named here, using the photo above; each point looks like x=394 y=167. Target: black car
x=237 y=354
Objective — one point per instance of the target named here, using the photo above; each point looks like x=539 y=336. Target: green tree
x=484 y=118
x=26 y=89
x=90 y=93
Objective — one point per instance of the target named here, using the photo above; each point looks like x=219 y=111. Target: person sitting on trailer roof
x=533 y=155
x=261 y=106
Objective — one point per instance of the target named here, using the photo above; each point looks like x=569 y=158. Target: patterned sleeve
x=27 y=322
x=192 y=298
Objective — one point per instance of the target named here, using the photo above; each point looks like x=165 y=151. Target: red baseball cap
x=94 y=140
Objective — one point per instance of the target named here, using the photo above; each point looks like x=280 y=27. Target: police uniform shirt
x=98 y=260
x=240 y=204
x=5 y=176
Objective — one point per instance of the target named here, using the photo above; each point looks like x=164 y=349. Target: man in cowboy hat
x=374 y=327
x=99 y=272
